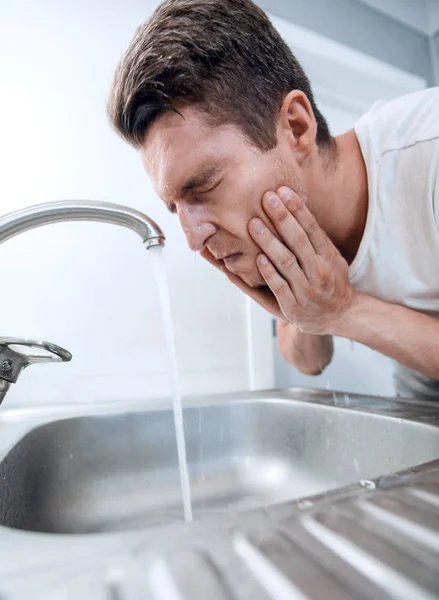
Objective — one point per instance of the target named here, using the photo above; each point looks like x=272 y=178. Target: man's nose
x=196 y=227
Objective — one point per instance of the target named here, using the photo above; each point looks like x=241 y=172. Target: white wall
x=433 y=17
x=413 y=13
x=90 y=286
x=359 y=26
x=434 y=46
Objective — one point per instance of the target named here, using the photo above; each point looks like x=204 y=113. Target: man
x=346 y=238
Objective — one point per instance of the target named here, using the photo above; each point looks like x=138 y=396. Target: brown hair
x=224 y=56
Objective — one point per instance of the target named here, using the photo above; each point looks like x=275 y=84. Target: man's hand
x=309 y=287
x=305 y=272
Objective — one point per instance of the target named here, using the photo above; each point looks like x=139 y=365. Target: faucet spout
x=13 y=361
x=81 y=210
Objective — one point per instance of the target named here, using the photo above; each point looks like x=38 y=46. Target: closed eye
x=209 y=190
x=173 y=208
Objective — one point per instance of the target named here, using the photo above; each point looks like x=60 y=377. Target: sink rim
x=394 y=405
x=21 y=420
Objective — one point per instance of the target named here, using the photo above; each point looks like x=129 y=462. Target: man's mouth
x=232 y=258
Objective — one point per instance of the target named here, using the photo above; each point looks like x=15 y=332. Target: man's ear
x=298 y=123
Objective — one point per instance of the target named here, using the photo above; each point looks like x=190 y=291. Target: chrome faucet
x=12 y=360
x=78 y=210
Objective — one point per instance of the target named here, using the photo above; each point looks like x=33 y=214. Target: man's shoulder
x=402 y=122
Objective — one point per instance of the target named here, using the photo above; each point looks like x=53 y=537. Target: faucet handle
x=13 y=361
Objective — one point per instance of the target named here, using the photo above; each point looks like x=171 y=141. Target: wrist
x=350 y=320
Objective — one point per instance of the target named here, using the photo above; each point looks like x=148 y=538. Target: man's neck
x=338 y=197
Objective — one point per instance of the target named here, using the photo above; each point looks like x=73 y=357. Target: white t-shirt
x=398 y=257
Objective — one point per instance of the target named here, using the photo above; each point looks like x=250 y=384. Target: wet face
x=214 y=180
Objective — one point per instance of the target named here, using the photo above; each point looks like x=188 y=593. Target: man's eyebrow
x=199 y=180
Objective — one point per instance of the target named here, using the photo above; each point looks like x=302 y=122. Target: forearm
x=309 y=353
x=407 y=336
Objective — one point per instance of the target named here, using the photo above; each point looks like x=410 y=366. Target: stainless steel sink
x=118 y=471
x=109 y=472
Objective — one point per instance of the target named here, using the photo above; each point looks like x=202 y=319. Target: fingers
x=280 y=256
x=298 y=209
x=291 y=233
x=277 y=284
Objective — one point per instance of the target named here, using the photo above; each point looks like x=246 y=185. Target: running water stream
x=165 y=305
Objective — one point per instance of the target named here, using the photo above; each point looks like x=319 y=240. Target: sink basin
x=115 y=472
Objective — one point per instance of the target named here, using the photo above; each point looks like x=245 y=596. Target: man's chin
x=249 y=276
x=259 y=286
x=254 y=282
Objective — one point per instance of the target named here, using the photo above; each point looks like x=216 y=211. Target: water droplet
x=367 y=483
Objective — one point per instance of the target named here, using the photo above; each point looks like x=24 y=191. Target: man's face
x=214 y=179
